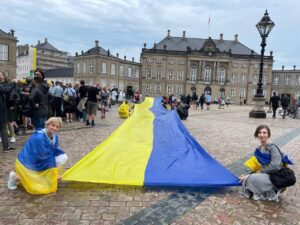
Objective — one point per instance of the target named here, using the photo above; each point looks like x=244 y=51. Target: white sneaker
x=11 y=183
x=12 y=140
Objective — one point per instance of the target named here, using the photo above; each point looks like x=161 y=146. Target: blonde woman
x=38 y=162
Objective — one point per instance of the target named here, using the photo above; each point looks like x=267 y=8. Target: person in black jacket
x=274 y=102
x=38 y=99
x=285 y=101
x=5 y=89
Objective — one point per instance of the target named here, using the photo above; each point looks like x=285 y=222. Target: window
x=181 y=62
x=158 y=88
x=159 y=73
x=207 y=74
x=113 y=69
x=254 y=79
x=129 y=72
x=242 y=92
x=233 y=78
x=170 y=89
x=232 y=92
x=297 y=94
x=84 y=67
x=148 y=73
x=170 y=74
x=149 y=60
x=298 y=80
x=3 y=52
x=159 y=60
x=243 y=79
x=78 y=67
x=171 y=61
x=122 y=71
x=275 y=79
x=265 y=79
x=91 y=66
x=104 y=67
x=193 y=73
x=180 y=75
x=287 y=79
x=137 y=72
x=222 y=76
x=253 y=92
x=265 y=66
x=256 y=66
x=235 y=65
x=148 y=88
x=245 y=65
x=179 y=89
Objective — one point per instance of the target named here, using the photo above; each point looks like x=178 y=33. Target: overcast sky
x=124 y=25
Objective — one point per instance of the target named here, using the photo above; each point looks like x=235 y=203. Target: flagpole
x=209 y=26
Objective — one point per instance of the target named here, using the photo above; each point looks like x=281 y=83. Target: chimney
x=271 y=53
x=183 y=34
x=165 y=47
x=282 y=68
x=132 y=59
x=229 y=51
x=12 y=32
x=117 y=55
x=145 y=45
x=221 y=37
x=39 y=42
x=236 y=38
x=154 y=45
x=46 y=40
x=81 y=52
x=124 y=57
x=76 y=53
x=252 y=52
x=96 y=43
x=168 y=35
x=294 y=67
x=108 y=52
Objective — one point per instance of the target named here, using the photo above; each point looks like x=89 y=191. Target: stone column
x=203 y=69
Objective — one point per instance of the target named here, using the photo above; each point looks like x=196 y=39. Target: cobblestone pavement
x=227 y=134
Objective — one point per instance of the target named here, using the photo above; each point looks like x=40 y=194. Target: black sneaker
x=9 y=149
x=87 y=123
x=93 y=123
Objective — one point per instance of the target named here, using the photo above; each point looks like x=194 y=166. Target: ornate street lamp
x=264 y=27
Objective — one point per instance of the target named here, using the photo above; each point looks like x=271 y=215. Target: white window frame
x=129 y=71
x=287 y=79
x=222 y=75
x=256 y=66
x=158 y=73
x=298 y=80
x=148 y=73
x=4 y=52
x=158 y=88
x=137 y=72
x=180 y=75
x=103 y=68
x=276 y=80
x=207 y=74
x=159 y=60
x=122 y=71
x=233 y=78
x=148 y=60
x=243 y=78
x=193 y=73
x=91 y=66
x=171 y=61
x=245 y=65
x=170 y=89
x=78 y=67
x=113 y=69
x=242 y=92
x=265 y=79
x=170 y=74
x=232 y=92
x=84 y=67
x=179 y=89
x=148 y=88
x=235 y=65
x=255 y=79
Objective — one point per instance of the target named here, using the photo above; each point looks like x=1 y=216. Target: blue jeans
x=38 y=122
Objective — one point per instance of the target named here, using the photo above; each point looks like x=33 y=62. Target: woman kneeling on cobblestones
x=267 y=158
x=38 y=162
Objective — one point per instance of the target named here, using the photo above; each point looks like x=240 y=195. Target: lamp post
x=264 y=27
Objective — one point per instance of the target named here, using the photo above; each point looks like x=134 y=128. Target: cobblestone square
x=227 y=134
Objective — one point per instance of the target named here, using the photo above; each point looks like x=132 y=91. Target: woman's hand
x=243 y=178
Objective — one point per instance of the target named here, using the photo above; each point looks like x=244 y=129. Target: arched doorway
x=222 y=93
x=207 y=91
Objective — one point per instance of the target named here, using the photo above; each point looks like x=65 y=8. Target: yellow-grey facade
x=287 y=82
x=8 y=45
x=223 y=68
x=98 y=65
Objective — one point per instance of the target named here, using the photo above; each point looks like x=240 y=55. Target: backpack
x=14 y=97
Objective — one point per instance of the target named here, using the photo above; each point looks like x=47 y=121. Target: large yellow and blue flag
x=151 y=148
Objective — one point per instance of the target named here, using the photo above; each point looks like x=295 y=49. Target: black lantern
x=265 y=25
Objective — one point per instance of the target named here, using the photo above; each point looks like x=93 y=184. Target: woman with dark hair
x=267 y=158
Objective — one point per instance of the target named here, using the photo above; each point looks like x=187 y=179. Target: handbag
x=285 y=177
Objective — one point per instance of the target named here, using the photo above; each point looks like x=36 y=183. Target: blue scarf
x=265 y=158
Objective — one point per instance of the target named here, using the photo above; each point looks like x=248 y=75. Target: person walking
x=285 y=101
x=274 y=102
x=207 y=101
x=57 y=101
x=91 y=105
x=202 y=100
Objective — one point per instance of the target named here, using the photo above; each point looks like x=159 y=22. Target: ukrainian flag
x=151 y=148
x=36 y=165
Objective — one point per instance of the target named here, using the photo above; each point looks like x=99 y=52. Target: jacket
x=38 y=99
x=5 y=89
